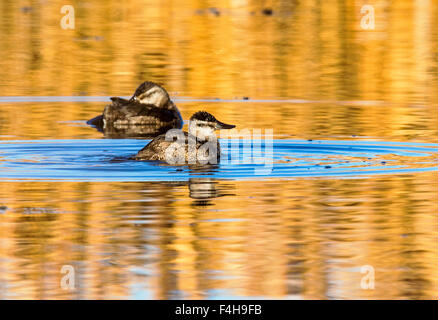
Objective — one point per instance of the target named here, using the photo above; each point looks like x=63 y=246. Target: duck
x=150 y=111
x=190 y=147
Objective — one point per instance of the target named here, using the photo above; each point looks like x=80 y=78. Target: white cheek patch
x=205 y=131
x=157 y=98
x=201 y=130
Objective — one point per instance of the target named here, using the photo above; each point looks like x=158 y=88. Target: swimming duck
x=200 y=135
x=150 y=107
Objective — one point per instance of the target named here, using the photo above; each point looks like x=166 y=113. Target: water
x=355 y=164
x=109 y=160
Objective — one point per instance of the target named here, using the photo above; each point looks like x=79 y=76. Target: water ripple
x=107 y=160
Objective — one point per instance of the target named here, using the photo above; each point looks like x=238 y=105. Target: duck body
x=199 y=145
x=180 y=151
x=149 y=112
x=122 y=112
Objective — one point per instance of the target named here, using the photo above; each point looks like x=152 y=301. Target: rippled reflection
x=296 y=239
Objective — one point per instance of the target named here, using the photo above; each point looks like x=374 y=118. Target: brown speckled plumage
x=156 y=150
x=138 y=118
x=207 y=148
x=125 y=112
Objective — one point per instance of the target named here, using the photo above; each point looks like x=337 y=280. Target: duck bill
x=221 y=125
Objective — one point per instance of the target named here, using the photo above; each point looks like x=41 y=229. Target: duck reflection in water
x=204 y=189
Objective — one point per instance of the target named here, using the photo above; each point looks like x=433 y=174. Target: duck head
x=203 y=124
x=151 y=93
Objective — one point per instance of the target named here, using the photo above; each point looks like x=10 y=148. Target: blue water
x=108 y=160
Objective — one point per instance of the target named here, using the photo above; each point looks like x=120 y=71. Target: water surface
x=354 y=180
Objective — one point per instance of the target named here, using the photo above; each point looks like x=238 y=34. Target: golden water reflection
x=306 y=49
x=404 y=123
x=297 y=239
